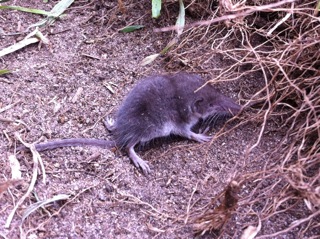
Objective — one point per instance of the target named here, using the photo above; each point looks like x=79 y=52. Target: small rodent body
x=159 y=106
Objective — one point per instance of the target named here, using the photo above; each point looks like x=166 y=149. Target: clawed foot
x=138 y=162
x=109 y=123
x=201 y=138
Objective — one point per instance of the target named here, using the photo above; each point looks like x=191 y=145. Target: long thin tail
x=59 y=143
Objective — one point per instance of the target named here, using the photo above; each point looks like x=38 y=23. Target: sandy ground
x=62 y=90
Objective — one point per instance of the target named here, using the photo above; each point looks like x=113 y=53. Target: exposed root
x=281 y=44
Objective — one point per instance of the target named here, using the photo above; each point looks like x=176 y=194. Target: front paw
x=201 y=138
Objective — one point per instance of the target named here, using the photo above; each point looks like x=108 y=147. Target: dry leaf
x=15 y=167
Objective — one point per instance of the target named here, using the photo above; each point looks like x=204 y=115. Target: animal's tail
x=59 y=143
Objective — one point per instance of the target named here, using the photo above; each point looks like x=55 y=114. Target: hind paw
x=109 y=123
x=138 y=162
x=143 y=165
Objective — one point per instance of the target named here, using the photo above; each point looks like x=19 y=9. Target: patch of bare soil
x=62 y=90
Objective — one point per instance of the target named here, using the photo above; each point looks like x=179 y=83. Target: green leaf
x=131 y=28
x=156 y=8
x=55 y=12
x=4 y=71
x=24 y=9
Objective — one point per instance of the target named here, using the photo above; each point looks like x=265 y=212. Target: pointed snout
x=230 y=106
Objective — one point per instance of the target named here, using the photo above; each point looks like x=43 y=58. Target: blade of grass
x=33 y=37
x=39 y=204
x=55 y=12
x=179 y=26
x=4 y=71
x=131 y=28
x=60 y=7
x=17 y=46
x=36 y=161
x=24 y=9
x=169 y=45
x=181 y=18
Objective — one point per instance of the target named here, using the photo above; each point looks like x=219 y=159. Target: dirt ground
x=62 y=90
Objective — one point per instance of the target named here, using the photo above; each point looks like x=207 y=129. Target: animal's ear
x=196 y=106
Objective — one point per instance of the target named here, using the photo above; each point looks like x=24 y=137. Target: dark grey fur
x=168 y=104
x=158 y=106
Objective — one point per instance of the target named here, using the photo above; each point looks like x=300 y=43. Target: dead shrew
x=159 y=106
